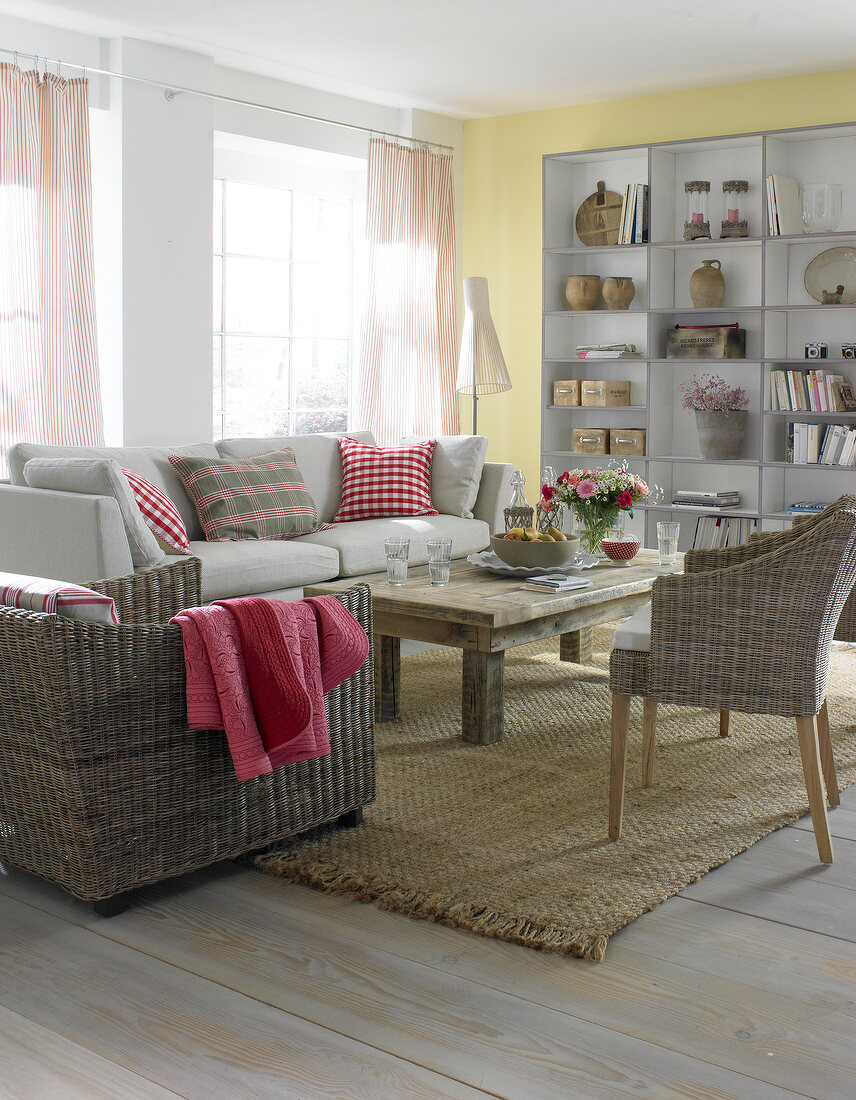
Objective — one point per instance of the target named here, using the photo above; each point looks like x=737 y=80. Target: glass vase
x=592 y=522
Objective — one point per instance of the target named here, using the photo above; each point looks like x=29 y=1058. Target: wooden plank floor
x=231 y=984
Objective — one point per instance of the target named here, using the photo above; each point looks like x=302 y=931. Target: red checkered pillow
x=159 y=513
x=385 y=481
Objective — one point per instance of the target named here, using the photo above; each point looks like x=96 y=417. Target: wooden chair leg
x=649 y=740
x=807 y=733
x=617 y=762
x=827 y=760
x=724 y=719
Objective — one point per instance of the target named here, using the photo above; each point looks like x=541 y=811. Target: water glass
x=396 y=561
x=439 y=560
x=667 y=542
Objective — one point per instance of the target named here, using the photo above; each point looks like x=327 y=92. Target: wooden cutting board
x=599 y=217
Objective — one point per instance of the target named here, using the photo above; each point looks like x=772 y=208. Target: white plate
x=833 y=268
x=488 y=560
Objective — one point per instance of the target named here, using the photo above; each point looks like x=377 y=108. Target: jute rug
x=509 y=840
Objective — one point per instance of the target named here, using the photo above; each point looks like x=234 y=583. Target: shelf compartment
x=671 y=269
x=604 y=262
x=569 y=178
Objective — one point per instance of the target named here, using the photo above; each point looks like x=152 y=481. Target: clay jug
x=583 y=291
x=618 y=292
x=707 y=285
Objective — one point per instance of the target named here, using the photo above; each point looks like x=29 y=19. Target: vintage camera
x=816 y=350
x=848 y=351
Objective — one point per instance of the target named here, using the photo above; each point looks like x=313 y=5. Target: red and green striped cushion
x=263 y=497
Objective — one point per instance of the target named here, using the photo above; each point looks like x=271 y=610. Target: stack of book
x=821 y=444
x=634 y=215
x=806 y=508
x=807 y=391
x=607 y=351
x=713 y=532
x=784 y=213
x=713 y=499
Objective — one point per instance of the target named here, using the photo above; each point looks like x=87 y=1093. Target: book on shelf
x=714 y=532
x=634 y=214
x=820 y=444
x=806 y=508
x=608 y=355
x=712 y=505
x=706 y=498
x=784 y=213
x=807 y=391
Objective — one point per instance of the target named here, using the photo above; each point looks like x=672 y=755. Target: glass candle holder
x=734 y=222
x=821 y=207
x=697 y=222
x=519 y=512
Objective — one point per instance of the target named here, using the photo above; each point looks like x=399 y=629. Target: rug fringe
x=422 y=906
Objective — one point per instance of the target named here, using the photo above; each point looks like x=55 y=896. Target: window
x=285 y=259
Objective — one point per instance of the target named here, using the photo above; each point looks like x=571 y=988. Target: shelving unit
x=764 y=293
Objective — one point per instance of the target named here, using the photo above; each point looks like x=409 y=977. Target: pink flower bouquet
x=597 y=498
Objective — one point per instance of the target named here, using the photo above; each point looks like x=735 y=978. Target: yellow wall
x=502 y=209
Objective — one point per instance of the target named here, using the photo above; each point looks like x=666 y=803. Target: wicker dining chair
x=753 y=637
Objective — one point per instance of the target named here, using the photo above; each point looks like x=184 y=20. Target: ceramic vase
x=707 y=285
x=721 y=433
x=583 y=291
x=618 y=292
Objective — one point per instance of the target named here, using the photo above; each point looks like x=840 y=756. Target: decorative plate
x=831 y=269
x=488 y=560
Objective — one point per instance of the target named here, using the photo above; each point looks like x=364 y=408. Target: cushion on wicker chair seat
x=635 y=632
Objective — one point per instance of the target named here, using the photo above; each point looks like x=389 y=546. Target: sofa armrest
x=494 y=495
x=66 y=536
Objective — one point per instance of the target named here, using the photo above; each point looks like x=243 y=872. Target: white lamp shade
x=481 y=366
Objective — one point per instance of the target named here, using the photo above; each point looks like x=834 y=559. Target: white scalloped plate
x=488 y=560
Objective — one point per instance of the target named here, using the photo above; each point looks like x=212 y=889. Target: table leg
x=482 y=697
x=387 y=677
x=576 y=646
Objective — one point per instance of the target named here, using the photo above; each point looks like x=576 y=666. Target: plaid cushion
x=69 y=601
x=263 y=497
x=385 y=481
x=159 y=514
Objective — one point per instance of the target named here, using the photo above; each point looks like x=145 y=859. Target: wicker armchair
x=103 y=787
x=754 y=637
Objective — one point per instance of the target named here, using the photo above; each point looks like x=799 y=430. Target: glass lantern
x=549 y=513
x=734 y=222
x=519 y=512
x=698 y=222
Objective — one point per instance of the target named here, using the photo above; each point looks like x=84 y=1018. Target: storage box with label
x=591 y=441
x=706 y=342
x=603 y=391
x=627 y=441
x=566 y=392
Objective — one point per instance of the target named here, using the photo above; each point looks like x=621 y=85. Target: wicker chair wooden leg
x=827 y=760
x=351 y=819
x=649 y=740
x=112 y=907
x=807 y=733
x=618 y=761
x=724 y=721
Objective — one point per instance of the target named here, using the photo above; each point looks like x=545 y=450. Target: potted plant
x=599 y=498
x=720 y=412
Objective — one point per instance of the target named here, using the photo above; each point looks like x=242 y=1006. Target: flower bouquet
x=598 y=498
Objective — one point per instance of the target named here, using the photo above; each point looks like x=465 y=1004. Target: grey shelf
x=704 y=461
x=809 y=412
x=598 y=408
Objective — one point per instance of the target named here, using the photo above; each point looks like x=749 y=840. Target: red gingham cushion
x=159 y=513
x=385 y=481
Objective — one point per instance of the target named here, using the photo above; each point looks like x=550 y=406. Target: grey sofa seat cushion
x=456 y=470
x=249 y=567
x=149 y=462
x=317 y=456
x=360 y=544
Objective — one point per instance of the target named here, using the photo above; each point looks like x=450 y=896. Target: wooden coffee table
x=484 y=614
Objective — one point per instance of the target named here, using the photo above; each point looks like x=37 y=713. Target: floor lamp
x=481 y=366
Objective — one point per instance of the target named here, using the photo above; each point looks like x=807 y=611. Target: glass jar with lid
x=697 y=222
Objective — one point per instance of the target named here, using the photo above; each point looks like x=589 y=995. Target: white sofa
x=78 y=537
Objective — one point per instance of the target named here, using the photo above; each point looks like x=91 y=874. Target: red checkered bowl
x=620 y=550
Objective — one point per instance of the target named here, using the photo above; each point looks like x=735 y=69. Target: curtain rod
x=172 y=90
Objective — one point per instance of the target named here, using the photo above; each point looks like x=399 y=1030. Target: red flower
x=625 y=499
x=547 y=492
x=563 y=479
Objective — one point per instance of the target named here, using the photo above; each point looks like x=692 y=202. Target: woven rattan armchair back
x=103 y=787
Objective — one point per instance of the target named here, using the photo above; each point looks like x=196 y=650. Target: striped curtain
x=407 y=361
x=49 y=387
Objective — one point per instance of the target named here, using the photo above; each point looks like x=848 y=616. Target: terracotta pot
x=618 y=292
x=720 y=434
x=583 y=291
x=707 y=285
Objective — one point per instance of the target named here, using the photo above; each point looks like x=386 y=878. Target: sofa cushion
x=317 y=457
x=456 y=471
x=635 y=632
x=69 y=601
x=99 y=477
x=244 y=568
x=159 y=514
x=381 y=482
x=360 y=544
x=150 y=462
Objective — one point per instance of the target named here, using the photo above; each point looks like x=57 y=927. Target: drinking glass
x=667 y=542
x=821 y=207
x=396 y=561
x=439 y=560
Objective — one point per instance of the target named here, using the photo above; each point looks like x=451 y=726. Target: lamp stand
x=475 y=409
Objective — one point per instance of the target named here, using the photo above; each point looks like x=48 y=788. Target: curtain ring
x=59 y=69
x=15 y=58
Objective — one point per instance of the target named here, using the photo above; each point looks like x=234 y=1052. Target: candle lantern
x=698 y=222
x=734 y=224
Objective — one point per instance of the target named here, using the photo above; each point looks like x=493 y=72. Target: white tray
x=487 y=559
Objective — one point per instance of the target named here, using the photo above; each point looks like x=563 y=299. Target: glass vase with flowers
x=599 y=498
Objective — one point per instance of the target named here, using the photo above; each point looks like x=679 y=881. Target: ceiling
x=474 y=58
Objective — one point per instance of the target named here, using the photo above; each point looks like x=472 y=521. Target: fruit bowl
x=620 y=551
x=532 y=555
